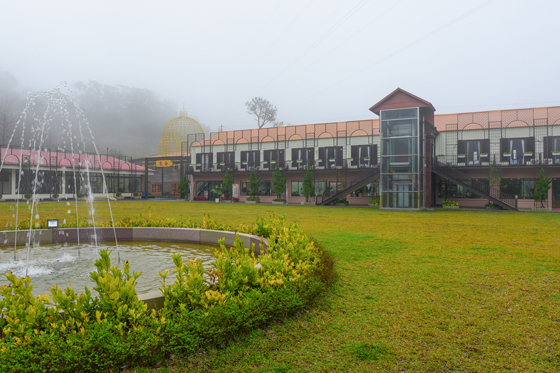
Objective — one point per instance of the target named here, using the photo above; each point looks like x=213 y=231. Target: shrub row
x=239 y=292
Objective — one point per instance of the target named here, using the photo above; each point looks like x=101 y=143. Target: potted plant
x=374 y=203
x=528 y=154
x=555 y=153
x=198 y=164
x=222 y=163
x=332 y=159
x=440 y=155
x=279 y=201
x=253 y=199
x=118 y=195
x=461 y=155
x=54 y=196
x=367 y=158
x=491 y=206
x=507 y=154
x=299 y=161
x=136 y=195
x=450 y=205
x=483 y=155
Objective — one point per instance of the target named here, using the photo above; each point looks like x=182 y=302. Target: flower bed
x=241 y=291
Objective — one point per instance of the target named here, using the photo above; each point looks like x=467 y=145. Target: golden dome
x=180 y=130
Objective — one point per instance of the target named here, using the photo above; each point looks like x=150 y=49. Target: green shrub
x=253 y=198
x=55 y=196
x=374 y=202
x=239 y=292
x=118 y=194
x=27 y=195
x=450 y=203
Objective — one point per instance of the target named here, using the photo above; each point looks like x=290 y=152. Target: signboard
x=166 y=163
x=206 y=194
x=235 y=190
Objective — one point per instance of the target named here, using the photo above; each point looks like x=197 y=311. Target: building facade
x=409 y=158
x=67 y=175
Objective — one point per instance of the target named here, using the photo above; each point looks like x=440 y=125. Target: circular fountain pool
x=69 y=264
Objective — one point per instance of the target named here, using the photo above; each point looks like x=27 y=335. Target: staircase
x=504 y=200
x=350 y=185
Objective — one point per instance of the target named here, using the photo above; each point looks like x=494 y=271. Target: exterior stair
x=504 y=200
x=350 y=185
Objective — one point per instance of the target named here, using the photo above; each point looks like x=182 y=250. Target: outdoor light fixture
x=52 y=223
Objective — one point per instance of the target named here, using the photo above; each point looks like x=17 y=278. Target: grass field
x=447 y=291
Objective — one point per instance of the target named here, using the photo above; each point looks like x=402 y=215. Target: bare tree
x=263 y=110
x=277 y=124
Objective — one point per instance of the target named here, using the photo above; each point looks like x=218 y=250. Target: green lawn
x=446 y=291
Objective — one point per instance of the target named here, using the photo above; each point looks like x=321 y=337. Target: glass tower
x=402 y=160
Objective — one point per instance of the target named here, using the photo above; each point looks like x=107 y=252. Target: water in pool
x=71 y=264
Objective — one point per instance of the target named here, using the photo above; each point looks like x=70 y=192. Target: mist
x=125 y=121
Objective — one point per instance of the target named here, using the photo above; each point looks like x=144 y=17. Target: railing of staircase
x=347 y=183
x=493 y=192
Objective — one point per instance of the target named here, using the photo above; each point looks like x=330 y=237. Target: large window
x=517 y=151
x=205 y=189
x=522 y=188
x=449 y=190
x=265 y=188
x=302 y=156
x=46 y=182
x=156 y=188
x=552 y=148
x=204 y=161
x=364 y=155
x=330 y=157
x=402 y=159
x=226 y=160
x=473 y=152
x=370 y=190
x=297 y=188
x=250 y=159
x=272 y=158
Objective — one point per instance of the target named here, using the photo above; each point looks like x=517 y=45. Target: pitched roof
x=397 y=98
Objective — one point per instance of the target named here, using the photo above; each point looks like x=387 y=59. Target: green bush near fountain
x=240 y=292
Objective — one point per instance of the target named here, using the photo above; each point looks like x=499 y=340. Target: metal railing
x=348 y=184
x=476 y=186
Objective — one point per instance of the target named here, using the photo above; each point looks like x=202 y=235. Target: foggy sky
x=317 y=61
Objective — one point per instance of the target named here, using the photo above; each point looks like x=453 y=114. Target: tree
x=541 y=188
x=184 y=187
x=254 y=183
x=494 y=177
x=308 y=187
x=227 y=184
x=278 y=182
x=263 y=110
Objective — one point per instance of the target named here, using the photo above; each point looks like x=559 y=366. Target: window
x=6 y=182
x=265 y=189
x=250 y=159
x=228 y=160
x=245 y=188
x=297 y=188
x=517 y=151
x=320 y=187
x=302 y=156
x=204 y=161
x=156 y=187
x=330 y=157
x=552 y=148
x=173 y=188
x=273 y=157
x=448 y=189
x=364 y=155
x=205 y=189
x=473 y=152
x=370 y=190
x=522 y=188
